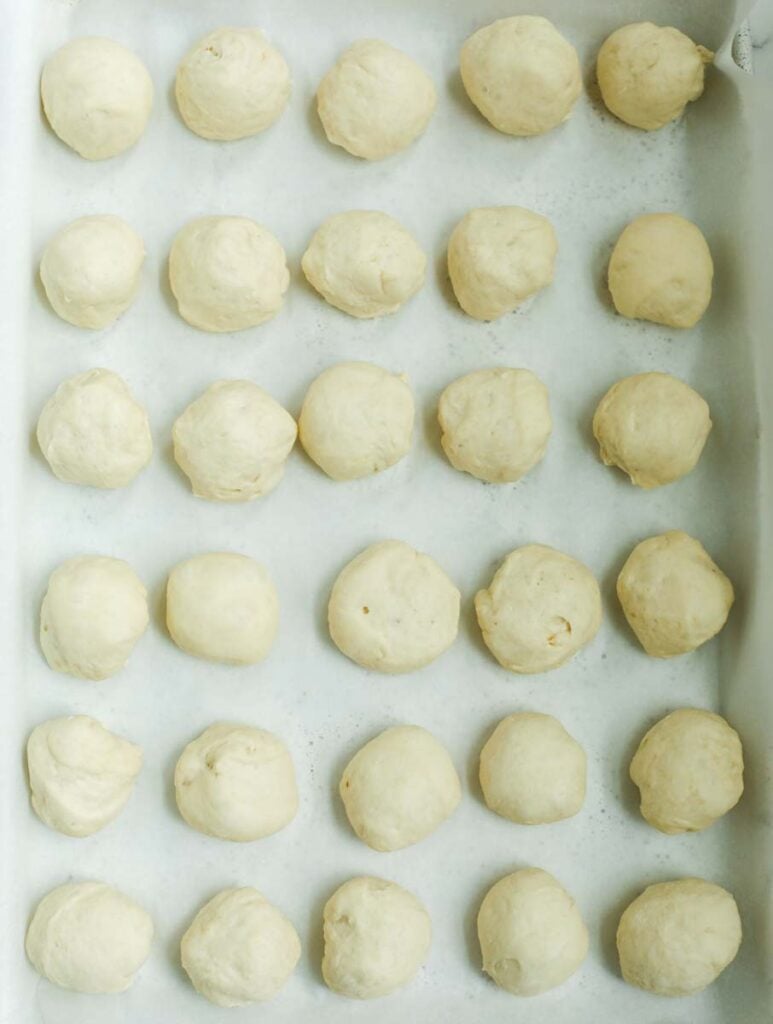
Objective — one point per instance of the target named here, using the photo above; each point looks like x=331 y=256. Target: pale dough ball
x=364 y=263
x=678 y=937
x=399 y=788
x=89 y=937
x=532 y=936
x=97 y=96
x=495 y=423
x=653 y=426
x=232 y=441
x=235 y=782
x=357 y=419
x=661 y=270
x=540 y=609
x=222 y=607
x=94 y=612
x=377 y=936
x=393 y=609
x=674 y=597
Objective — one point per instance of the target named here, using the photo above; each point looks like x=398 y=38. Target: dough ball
x=532 y=771
x=91 y=270
x=540 y=609
x=652 y=426
x=648 y=74
x=393 y=609
x=674 y=597
x=239 y=949
x=364 y=263
x=81 y=775
x=521 y=74
x=232 y=84
x=94 y=612
x=495 y=423
x=227 y=273
x=377 y=936
x=531 y=934
x=661 y=270
x=235 y=782
x=678 y=937
x=92 y=431
x=357 y=419
x=232 y=441
x=399 y=788
x=89 y=937
x=97 y=96
x=222 y=607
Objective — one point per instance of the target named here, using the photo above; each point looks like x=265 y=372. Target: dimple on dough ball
x=97 y=96
x=541 y=607
x=673 y=595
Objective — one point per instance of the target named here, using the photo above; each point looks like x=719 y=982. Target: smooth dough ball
x=678 y=937
x=531 y=933
x=357 y=419
x=673 y=595
x=97 y=96
x=393 y=609
x=364 y=263
x=540 y=609
x=377 y=936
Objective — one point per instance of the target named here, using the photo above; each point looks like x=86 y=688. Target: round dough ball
x=89 y=937
x=235 y=782
x=227 y=273
x=540 y=609
x=377 y=936
x=661 y=270
x=678 y=937
x=393 y=609
x=364 y=263
x=357 y=419
x=232 y=441
x=531 y=933
x=673 y=595
x=222 y=607
x=495 y=423
x=97 y=96
x=94 y=612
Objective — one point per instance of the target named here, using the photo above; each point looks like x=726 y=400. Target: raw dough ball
x=496 y=423
x=239 y=949
x=661 y=270
x=232 y=441
x=364 y=263
x=89 y=937
x=377 y=936
x=531 y=934
x=227 y=273
x=235 y=782
x=399 y=788
x=678 y=937
x=393 y=609
x=94 y=612
x=375 y=100
x=653 y=426
x=97 y=96
x=541 y=607
x=521 y=74
x=674 y=597
x=357 y=419
x=232 y=84
x=532 y=771
x=81 y=775
x=222 y=607
x=92 y=431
